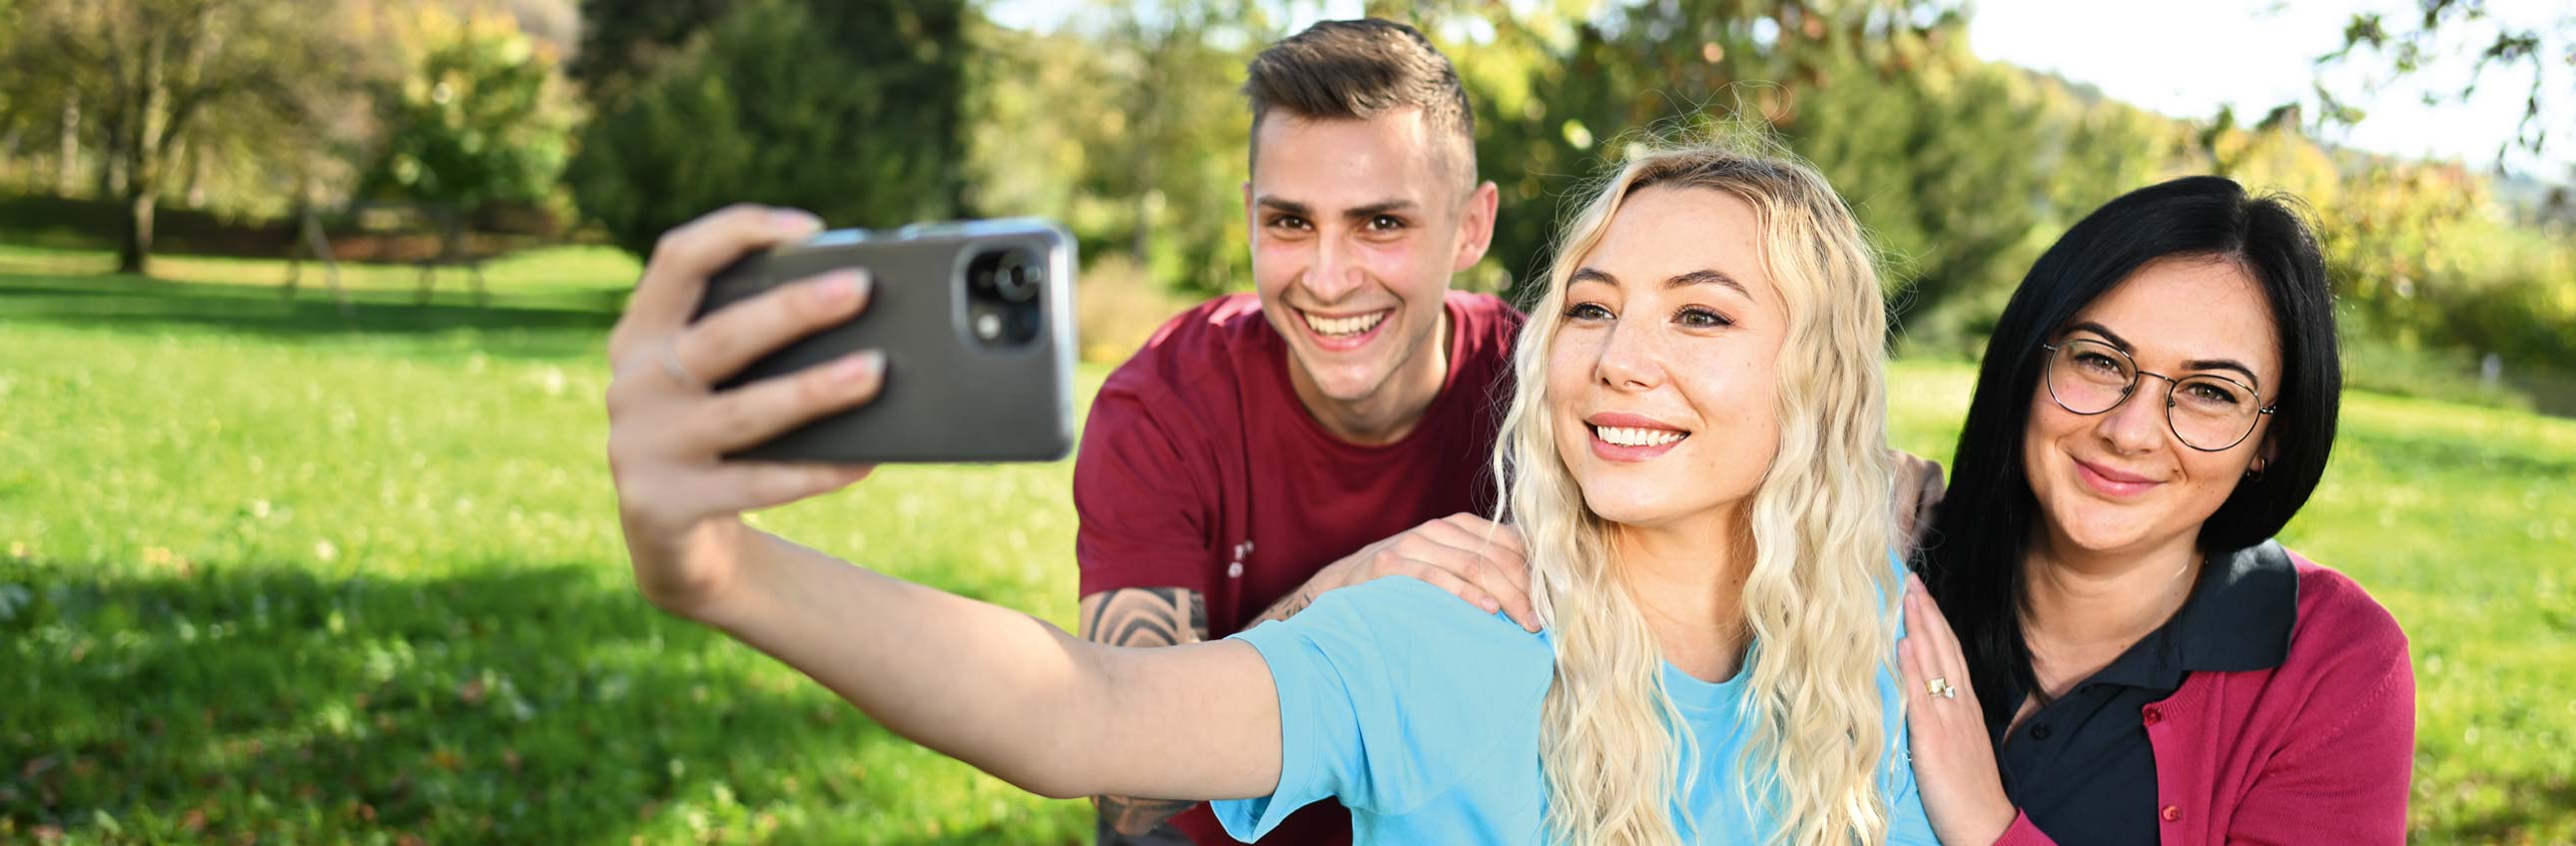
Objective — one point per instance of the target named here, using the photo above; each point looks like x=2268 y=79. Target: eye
x=2097 y=362
x=1289 y=222
x=1701 y=318
x=1385 y=223
x=2213 y=394
x=1587 y=311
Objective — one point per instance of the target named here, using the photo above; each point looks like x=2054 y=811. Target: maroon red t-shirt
x=1201 y=470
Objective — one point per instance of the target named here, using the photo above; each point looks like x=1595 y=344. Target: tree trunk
x=67 y=168
x=147 y=149
x=136 y=256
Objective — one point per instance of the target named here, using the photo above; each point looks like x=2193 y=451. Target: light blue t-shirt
x=1420 y=713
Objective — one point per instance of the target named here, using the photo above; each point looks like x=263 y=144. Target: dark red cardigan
x=2318 y=750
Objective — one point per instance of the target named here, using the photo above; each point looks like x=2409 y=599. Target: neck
x=2082 y=608
x=1688 y=580
x=1389 y=413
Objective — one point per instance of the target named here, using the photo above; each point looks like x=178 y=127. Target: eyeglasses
x=2207 y=413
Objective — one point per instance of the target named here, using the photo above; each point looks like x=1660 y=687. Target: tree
x=478 y=118
x=625 y=42
x=157 y=68
x=851 y=110
x=2543 y=52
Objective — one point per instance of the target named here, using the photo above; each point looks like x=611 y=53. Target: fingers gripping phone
x=976 y=322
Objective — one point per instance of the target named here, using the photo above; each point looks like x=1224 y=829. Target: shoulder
x=1189 y=368
x=2334 y=611
x=2346 y=652
x=1487 y=324
x=1213 y=336
x=1420 y=636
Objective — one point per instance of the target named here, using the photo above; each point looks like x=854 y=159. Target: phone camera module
x=1002 y=288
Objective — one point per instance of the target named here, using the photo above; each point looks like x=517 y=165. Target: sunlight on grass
x=268 y=572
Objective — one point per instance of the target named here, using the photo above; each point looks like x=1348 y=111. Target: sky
x=2186 y=58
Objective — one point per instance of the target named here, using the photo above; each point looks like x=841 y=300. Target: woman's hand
x=678 y=502
x=1954 y=761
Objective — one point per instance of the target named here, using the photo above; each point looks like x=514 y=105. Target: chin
x=1350 y=384
x=1628 y=508
x=2098 y=532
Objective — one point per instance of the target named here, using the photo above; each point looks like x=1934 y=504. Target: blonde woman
x=1695 y=458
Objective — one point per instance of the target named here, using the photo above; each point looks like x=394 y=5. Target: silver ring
x=1940 y=687
x=671 y=365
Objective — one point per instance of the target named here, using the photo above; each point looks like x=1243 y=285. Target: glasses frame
x=2049 y=367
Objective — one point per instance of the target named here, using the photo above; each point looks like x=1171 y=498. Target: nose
x=2137 y=424
x=1628 y=359
x=1335 y=275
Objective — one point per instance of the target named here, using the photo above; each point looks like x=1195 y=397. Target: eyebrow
x=1355 y=213
x=1703 y=276
x=2193 y=364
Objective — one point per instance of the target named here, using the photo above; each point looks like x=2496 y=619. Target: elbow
x=1052 y=782
x=1055 y=789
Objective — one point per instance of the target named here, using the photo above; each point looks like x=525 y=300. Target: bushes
x=850 y=110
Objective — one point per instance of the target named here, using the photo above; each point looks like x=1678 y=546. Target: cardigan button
x=2173 y=812
x=2154 y=715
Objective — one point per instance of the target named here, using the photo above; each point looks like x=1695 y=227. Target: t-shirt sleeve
x=1389 y=692
x=1908 y=825
x=1146 y=506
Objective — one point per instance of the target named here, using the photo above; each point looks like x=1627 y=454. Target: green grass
x=268 y=572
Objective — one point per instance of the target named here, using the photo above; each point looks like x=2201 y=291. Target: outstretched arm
x=1143 y=617
x=1006 y=692
x=998 y=689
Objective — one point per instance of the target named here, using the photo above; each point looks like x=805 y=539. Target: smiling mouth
x=1344 y=327
x=1632 y=436
x=2111 y=482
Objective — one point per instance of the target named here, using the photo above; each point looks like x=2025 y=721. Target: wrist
x=695 y=573
x=1997 y=818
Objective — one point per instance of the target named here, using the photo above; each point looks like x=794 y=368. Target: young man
x=1231 y=468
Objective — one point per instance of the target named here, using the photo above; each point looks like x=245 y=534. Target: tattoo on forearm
x=1142 y=617
x=1289 y=605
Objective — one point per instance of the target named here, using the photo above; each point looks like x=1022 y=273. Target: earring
x=2255 y=474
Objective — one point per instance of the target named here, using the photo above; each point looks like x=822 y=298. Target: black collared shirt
x=2081 y=767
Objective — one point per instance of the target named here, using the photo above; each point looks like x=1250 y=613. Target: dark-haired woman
x=2127 y=658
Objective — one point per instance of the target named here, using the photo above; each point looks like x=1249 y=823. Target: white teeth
x=1625 y=436
x=1344 y=325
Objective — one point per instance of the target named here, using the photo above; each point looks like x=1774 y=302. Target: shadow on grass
x=513 y=703
x=2528 y=806
x=550 y=324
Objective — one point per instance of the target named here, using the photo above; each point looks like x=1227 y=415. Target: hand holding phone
x=974 y=319
x=679 y=504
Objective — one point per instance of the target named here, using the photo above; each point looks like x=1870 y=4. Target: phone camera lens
x=1019 y=277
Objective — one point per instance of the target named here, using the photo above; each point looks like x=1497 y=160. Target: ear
x=1476 y=226
x=2269 y=451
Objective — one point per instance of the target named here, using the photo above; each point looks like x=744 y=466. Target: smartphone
x=976 y=322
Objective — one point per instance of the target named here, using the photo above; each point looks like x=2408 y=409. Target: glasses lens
x=2212 y=413
x=2089 y=377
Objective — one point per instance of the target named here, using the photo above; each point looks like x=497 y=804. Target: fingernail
x=864 y=365
x=1490 y=606
x=794 y=221
x=842 y=287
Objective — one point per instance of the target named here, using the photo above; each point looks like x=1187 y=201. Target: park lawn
x=271 y=572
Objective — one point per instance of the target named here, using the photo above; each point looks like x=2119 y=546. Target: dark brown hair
x=1357 y=70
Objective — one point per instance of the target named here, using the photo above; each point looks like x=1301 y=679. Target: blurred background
x=307 y=533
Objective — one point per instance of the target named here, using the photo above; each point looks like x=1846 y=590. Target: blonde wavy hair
x=1819 y=602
